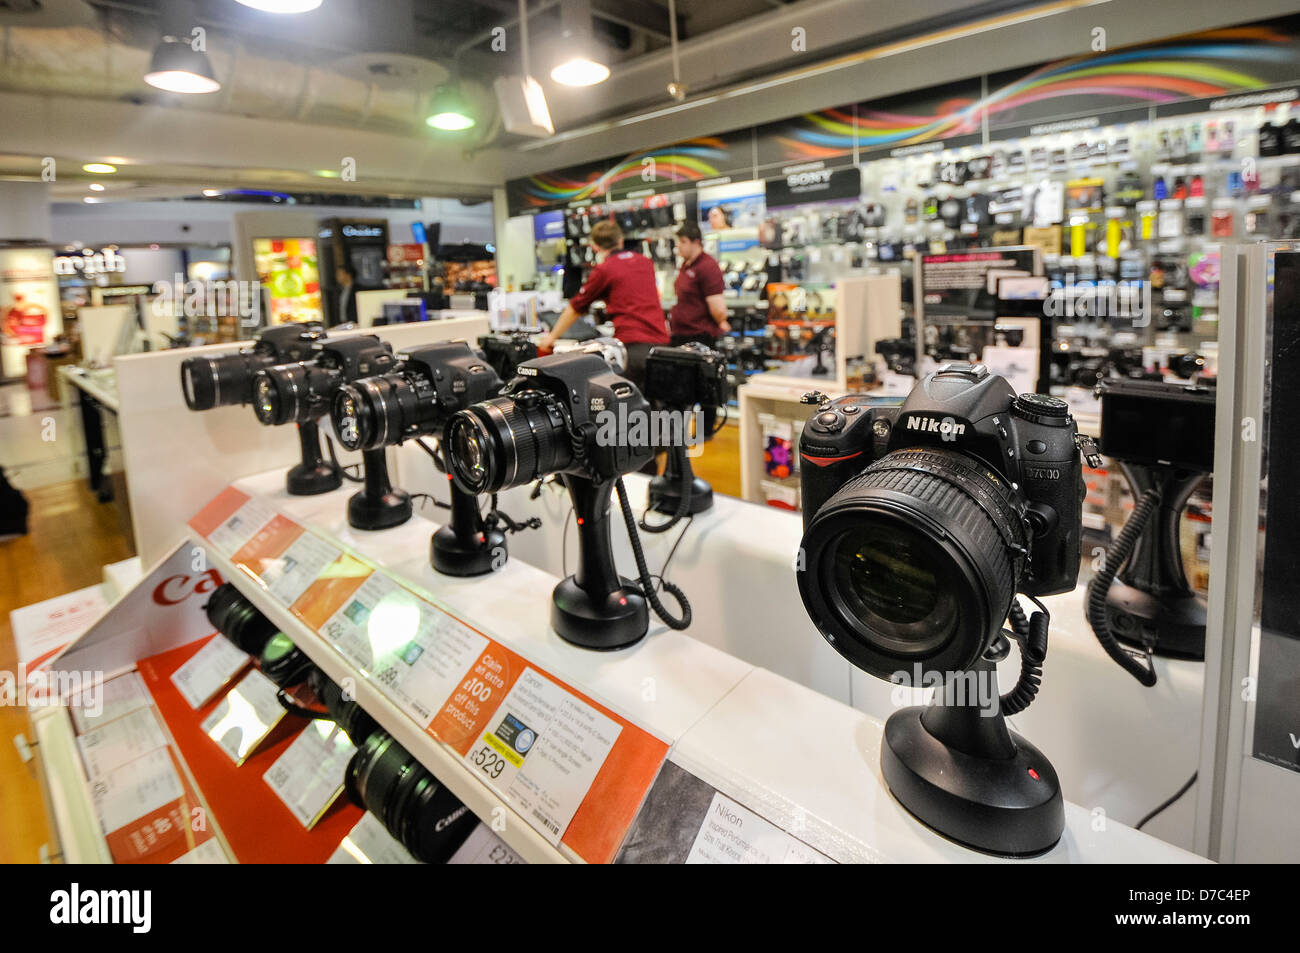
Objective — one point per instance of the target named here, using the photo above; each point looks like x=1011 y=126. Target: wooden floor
x=70 y=538
x=719 y=465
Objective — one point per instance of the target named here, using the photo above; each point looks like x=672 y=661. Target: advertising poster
x=30 y=313
x=288 y=268
x=732 y=213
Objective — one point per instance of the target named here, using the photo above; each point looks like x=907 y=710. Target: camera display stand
x=961 y=772
x=595 y=607
x=378 y=505
x=666 y=489
x=465 y=547
x=1150 y=602
x=313 y=475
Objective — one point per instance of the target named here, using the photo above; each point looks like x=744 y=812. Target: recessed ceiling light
x=580 y=71
x=211 y=193
x=90 y=200
x=96 y=186
x=99 y=168
x=282 y=6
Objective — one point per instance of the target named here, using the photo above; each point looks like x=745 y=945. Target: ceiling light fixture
x=211 y=193
x=96 y=186
x=449 y=111
x=583 y=65
x=99 y=168
x=179 y=68
x=90 y=200
x=282 y=6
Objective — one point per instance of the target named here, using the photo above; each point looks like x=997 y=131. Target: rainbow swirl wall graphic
x=1209 y=64
x=689 y=161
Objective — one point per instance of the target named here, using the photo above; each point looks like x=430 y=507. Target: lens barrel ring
x=966 y=518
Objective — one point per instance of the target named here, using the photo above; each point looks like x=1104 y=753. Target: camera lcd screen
x=1160 y=424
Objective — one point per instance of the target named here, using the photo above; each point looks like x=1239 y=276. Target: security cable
x=1169 y=803
x=1099 y=588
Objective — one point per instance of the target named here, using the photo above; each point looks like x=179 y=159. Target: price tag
x=308 y=777
x=240 y=526
x=542 y=751
x=733 y=834
x=245 y=716
x=370 y=843
x=136 y=789
x=288 y=576
x=117 y=697
x=423 y=673
x=357 y=637
x=484 y=847
x=117 y=743
x=208 y=671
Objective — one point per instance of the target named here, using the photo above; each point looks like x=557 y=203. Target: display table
x=1118 y=747
x=803 y=767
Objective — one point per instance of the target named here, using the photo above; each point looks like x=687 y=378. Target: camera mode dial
x=1041 y=409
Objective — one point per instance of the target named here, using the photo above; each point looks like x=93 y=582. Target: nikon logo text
x=130 y=907
x=947 y=427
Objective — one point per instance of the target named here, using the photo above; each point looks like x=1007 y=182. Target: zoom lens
x=221 y=381
x=377 y=411
x=508 y=441
x=915 y=562
x=231 y=614
x=290 y=393
x=388 y=781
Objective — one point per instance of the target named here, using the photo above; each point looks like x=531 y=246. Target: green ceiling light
x=449 y=111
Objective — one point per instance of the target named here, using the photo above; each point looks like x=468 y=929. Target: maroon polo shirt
x=625 y=281
x=696 y=282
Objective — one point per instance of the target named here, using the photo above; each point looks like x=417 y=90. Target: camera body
x=302 y=391
x=593 y=395
x=227 y=379
x=430 y=383
x=1026 y=441
x=686 y=375
x=565 y=413
x=505 y=351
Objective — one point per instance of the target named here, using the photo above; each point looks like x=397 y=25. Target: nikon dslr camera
x=922 y=521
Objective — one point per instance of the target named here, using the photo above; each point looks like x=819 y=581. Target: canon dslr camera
x=922 y=521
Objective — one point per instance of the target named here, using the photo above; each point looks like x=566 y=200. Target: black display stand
x=960 y=771
x=465 y=546
x=595 y=607
x=1150 y=605
x=378 y=505
x=666 y=489
x=313 y=475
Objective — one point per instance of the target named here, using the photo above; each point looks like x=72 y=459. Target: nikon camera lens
x=389 y=782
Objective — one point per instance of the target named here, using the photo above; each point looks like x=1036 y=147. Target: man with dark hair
x=700 y=313
x=625 y=281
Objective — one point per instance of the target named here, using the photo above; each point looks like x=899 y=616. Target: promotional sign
x=30 y=312
x=288 y=268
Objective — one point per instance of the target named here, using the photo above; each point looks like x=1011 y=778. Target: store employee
x=700 y=313
x=625 y=281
